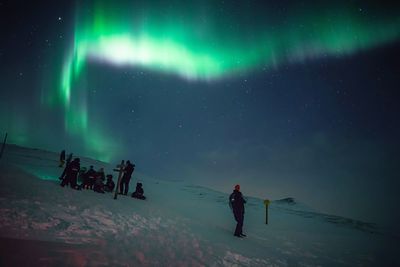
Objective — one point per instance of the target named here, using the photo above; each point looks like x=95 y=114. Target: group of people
x=96 y=180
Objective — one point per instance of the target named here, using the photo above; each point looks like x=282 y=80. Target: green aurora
x=203 y=40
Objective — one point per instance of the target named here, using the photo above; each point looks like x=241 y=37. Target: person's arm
x=231 y=200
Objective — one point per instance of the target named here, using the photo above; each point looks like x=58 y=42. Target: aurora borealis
x=209 y=90
x=195 y=42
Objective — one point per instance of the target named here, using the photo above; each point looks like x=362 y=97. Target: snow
x=179 y=224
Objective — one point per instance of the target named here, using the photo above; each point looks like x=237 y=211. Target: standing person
x=236 y=203
x=85 y=183
x=124 y=186
x=75 y=168
x=66 y=167
x=71 y=173
x=62 y=159
x=91 y=177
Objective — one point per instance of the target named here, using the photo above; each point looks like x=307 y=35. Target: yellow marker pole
x=266 y=203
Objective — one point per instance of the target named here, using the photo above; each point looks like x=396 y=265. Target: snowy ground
x=43 y=224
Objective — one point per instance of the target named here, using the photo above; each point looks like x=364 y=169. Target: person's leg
x=65 y=181
x=121 y=186
x=238 y=227
x=126 y=187
x=240 y=223
x=73 y=181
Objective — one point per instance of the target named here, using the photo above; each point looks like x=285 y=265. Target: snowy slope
x=43 y=224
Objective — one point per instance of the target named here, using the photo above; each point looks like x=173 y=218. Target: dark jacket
x=139 y=192
x=128 y=171
x=110 y=184
x=91 y=174
x=236 y=202
x=74 y=167
x=139 y=189
x=100 y=177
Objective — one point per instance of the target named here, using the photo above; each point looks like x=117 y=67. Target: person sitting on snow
x=98 y=184
x=109 y=186
x=85 y=176
x=139 y=192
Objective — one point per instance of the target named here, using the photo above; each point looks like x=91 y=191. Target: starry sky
x=287 y=98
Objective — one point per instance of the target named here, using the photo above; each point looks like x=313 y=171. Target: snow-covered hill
x=43 y=224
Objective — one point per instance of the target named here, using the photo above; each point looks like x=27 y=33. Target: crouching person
x=98 y=183
x=139 y=192
x=109 y=187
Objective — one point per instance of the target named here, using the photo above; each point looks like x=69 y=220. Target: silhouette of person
x=90 y=178
x=139 y=192
x=66 y=167
x=109 y=186
x=98 y=184
x=236 y=202
x=72 y=173
x=124 y=185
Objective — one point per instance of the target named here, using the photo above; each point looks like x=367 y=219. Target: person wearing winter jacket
x=139 y=192
x=72 y=174
x=126 y=178
x=90 y=178
x=62 y=177
x=109 y=186
x=236 y=203
x=98 y=184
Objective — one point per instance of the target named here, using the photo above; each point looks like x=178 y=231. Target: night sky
x=286 y=98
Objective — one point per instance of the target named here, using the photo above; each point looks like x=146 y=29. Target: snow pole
x=4 y=144
x=266 y=203
x=120 y=170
